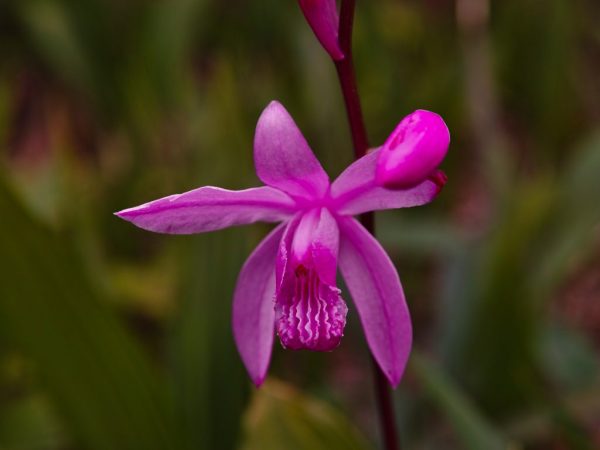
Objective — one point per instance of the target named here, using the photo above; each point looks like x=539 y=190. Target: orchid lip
x=310 y=312
x=312 y=316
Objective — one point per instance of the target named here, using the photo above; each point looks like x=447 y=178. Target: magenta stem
x=347 y=77
x=360 y=141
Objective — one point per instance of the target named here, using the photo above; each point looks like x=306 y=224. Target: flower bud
x=323 y=18
x=413 y=151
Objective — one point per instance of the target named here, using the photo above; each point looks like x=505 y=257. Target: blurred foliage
x=280 y=417
x=113 y=338
x=472 y=429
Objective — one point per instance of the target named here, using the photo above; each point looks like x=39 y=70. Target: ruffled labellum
x=310 y=312
x=312 y=316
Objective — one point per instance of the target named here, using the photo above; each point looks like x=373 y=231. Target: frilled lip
x=310 y=313
x=299 y=194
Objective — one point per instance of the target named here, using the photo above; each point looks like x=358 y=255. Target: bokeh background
x=115 y=338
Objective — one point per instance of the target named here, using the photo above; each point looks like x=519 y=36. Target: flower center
x=313 y=314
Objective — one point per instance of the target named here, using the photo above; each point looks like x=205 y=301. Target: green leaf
x=489 y=309
x=209 y=382
x=92 y=368
x=55 y=38
x=418 y=238
x=472 y=428
x=568 y=358
x=282 y=418
x=577 y=213
x=30 y=424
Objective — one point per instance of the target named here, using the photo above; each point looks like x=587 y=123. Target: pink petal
x=283 y=158
x=253 y=311
x=377 y=293
x=303 y=237
x=210 y=208
x=413 y=151
x=283 y=252
x=355 y=191
x=323 y=18
x=316 y=242
x=325 y=247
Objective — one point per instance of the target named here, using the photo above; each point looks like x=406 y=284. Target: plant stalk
x=360 y=141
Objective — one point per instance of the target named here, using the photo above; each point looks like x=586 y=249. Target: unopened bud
x=413 y=151
x=323 y=18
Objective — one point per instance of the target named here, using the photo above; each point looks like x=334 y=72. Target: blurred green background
x=115 y=338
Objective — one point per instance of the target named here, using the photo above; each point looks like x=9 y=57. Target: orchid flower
x=323 y=18
x=288 y=284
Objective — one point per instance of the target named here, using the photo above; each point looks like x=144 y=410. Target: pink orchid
x=323 y=18
x=288 y=283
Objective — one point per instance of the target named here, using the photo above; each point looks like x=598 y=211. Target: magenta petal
x=301 y=249
x=316 y=242
x=210 y=208
x=377 y=293
x=355 y=191
x=325 y=247
x=253 y=311
x=323 y=18
x=283 y=254
x=357 y=177
x=283 y=158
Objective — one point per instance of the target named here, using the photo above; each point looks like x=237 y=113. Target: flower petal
x=283 y=253
x=253 y=310
x=323 y=18
x=377 y=293
x=355 y=190
x=325 y=247
x=316 y=242
x=210 y=208
x=283 y=158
